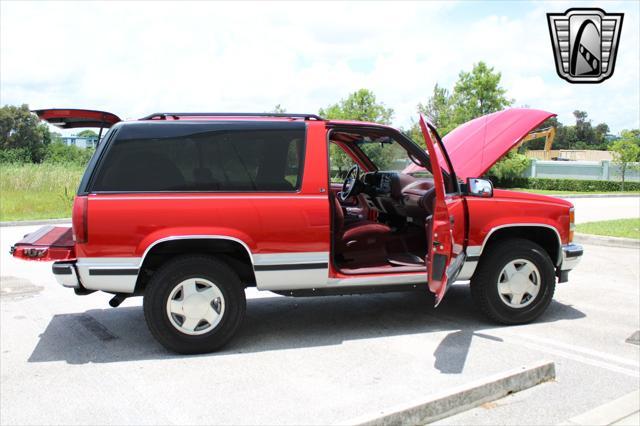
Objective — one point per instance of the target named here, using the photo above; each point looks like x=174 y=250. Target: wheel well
x=543 y=236
x=231 y=252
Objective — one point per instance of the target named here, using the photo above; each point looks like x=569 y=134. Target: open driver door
x=445 y=255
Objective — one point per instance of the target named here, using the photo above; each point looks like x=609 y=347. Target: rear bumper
x=66 y=274
x=571 y=255
x=118 y=275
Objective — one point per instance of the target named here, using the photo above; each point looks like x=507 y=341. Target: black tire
x=165 y=279
x=484 y=283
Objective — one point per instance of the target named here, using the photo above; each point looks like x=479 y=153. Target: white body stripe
x=291 y=279
x=290 y=258
x=112 y=283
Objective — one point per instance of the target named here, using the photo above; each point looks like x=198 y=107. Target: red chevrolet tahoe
x=189 y=209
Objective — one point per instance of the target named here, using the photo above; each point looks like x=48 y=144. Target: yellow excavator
x=549 y=134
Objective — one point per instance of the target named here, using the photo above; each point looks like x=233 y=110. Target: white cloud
x=136 y=58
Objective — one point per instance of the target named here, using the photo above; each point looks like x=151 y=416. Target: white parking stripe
x=578 y=358
x=603 y=355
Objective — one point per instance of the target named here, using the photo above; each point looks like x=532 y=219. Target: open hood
x=476 y=145
x=72 y=118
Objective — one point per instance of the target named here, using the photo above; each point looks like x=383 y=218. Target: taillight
x=79 y=220
x=572 y=223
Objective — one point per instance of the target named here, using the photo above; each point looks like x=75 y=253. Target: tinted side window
x=223 y=159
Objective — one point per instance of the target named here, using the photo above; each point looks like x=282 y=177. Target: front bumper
x=571 y=255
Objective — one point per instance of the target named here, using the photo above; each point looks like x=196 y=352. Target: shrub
x=564 y=184
x=59 y=153
x=510 y=166
x=15 y=156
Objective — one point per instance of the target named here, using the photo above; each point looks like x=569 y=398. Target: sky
x=135 y=58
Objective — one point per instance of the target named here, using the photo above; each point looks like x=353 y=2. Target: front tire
x=514 y=282
x=194 y=304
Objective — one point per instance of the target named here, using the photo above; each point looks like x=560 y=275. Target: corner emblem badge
x=585 y=43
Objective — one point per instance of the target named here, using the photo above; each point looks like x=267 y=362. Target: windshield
x=385 y=153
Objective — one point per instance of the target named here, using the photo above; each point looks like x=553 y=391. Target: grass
x=554 y=192
x=626 y=228
x=37 y=191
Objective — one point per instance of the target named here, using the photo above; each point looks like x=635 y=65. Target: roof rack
x=177 y=115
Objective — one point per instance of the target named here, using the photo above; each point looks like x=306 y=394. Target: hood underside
x=476 y=145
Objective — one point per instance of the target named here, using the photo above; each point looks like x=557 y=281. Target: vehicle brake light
x=79 y=220
x=572 y=223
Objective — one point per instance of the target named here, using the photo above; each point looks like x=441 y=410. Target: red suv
x=188 y=209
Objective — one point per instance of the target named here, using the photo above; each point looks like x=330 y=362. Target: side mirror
x=480 y=187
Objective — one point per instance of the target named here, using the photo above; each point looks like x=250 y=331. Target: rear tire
x=194 y=304
x=514 y=282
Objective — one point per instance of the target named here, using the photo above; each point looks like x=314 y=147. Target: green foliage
x=37 y=191
x=626 y=151
x=88 y=134
x=511 y=166
x=21 y=130
x=15 y=155
x=477 y=93
x=581 y=135
x=59 y=153
x=564 y=184
x=625 y=228
x=278 y=109
x=360 y=106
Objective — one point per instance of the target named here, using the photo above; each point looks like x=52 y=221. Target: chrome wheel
x=519 y=283
x=195 y=306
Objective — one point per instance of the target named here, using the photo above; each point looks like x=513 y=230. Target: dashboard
x=398 y=194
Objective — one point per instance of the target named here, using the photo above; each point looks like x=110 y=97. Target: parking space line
x=574 y=357
x=603 y=355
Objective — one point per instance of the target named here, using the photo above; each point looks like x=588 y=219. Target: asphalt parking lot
x=74 y=360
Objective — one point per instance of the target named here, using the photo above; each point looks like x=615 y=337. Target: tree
x=626 y=151
x=278 y=109
x=361 y=105
x=477 y=93
x=21 y=130
x=88 y=134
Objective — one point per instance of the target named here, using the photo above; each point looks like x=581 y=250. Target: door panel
x=443 y=262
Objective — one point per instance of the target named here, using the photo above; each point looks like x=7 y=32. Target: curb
x=35 y=222
x=597 y=195
x=461 y=398
x=610 y=413
x=606 y=241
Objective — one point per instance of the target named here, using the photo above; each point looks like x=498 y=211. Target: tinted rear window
x=204 y=157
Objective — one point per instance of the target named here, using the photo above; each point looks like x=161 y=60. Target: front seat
x=361 y=235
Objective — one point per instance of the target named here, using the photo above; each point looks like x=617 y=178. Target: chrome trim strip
x=290 y=267
x=112 y=271
x=412 y=278
x=196 y=237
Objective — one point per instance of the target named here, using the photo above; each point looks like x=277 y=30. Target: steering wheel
x=350 y=183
